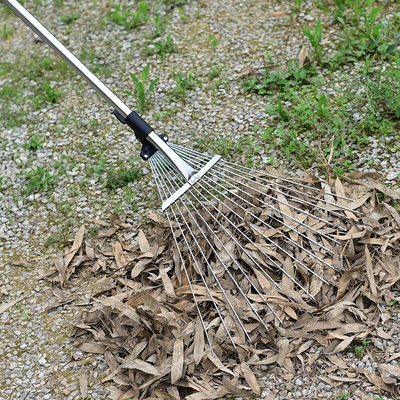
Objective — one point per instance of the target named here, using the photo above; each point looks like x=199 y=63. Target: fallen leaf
x=279 y=13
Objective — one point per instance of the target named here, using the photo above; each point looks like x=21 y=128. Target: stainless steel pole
x=63 y=52
x=185 y=169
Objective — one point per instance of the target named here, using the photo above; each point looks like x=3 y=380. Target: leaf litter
x=144 y=319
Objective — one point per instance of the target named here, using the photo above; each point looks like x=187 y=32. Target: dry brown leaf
x=142 y=311
x=377 y=381
x=283 y=347
x=303 y=57
x=83 y=384
x=69 y=255
x=177 y=361
x=392 y=370
x=92 y=348
x=279 y=13
x=370 y=272
x=141 y=365
x=251 y=379
x=21 y=263
x=143 y=243
x=169 y=288
x=380 y=187
x=246 y=72
x=343 y=345
x=198 y=350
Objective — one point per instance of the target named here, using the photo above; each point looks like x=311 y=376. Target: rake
x=243 y=238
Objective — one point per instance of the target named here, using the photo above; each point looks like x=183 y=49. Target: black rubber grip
x=139 y=125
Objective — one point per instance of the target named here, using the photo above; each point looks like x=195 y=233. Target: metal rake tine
x=227 y=251
x=337 y=205
x=236 y=167
x=267 y=255
x=282 y=212
x=285 y=214
x=232 y=237
x=225 y=268
x=287 y=253
x=191 y=287
x=275 y=219
x=197 y=267
x=295 y=198
x=276 y=244
x=212 y=272
x=267 y=174
x=262 y=251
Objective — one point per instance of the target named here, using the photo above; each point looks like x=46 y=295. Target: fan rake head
x=247 y=240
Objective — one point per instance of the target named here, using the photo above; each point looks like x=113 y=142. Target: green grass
x=312 y=129
x=69 y=19
x=6 y=32
x=129 y=20
x=47 y=94
x=39 y=180
x=213 y=41
x=185 y=83
x=315 y=37
x=161 y=47
x=34 y=143
x=268 y=81
x=362 y=347
x=28 y=74
x=142 y=88
x=114 y=178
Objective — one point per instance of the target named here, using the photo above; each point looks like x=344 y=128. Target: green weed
x=34 y=143
x=26 y=314
x=6 y=32
x=362 y=348
x=69 y=19
x=269 y=81
x=129 y=19
x=215 y=71
x=185 y=82
x=158 y=26
x=213 y=41
x=9 y=92
x=142 y=93
x=117 y=178
x=47 y=95
x=343 y=396
x=162 y=47
x=315 y=37
x=297 y=5
x=175 y=3
x=39 y=180
x=167 y=113
x=60 y=238
x=121 y=177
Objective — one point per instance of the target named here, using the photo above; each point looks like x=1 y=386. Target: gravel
x=37 y=357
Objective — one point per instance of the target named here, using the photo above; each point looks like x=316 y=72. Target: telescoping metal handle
x=143 y=132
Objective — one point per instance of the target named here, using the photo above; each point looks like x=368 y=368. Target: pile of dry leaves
x=144 y=320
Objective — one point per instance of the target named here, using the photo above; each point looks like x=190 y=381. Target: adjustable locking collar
x=142 y=130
